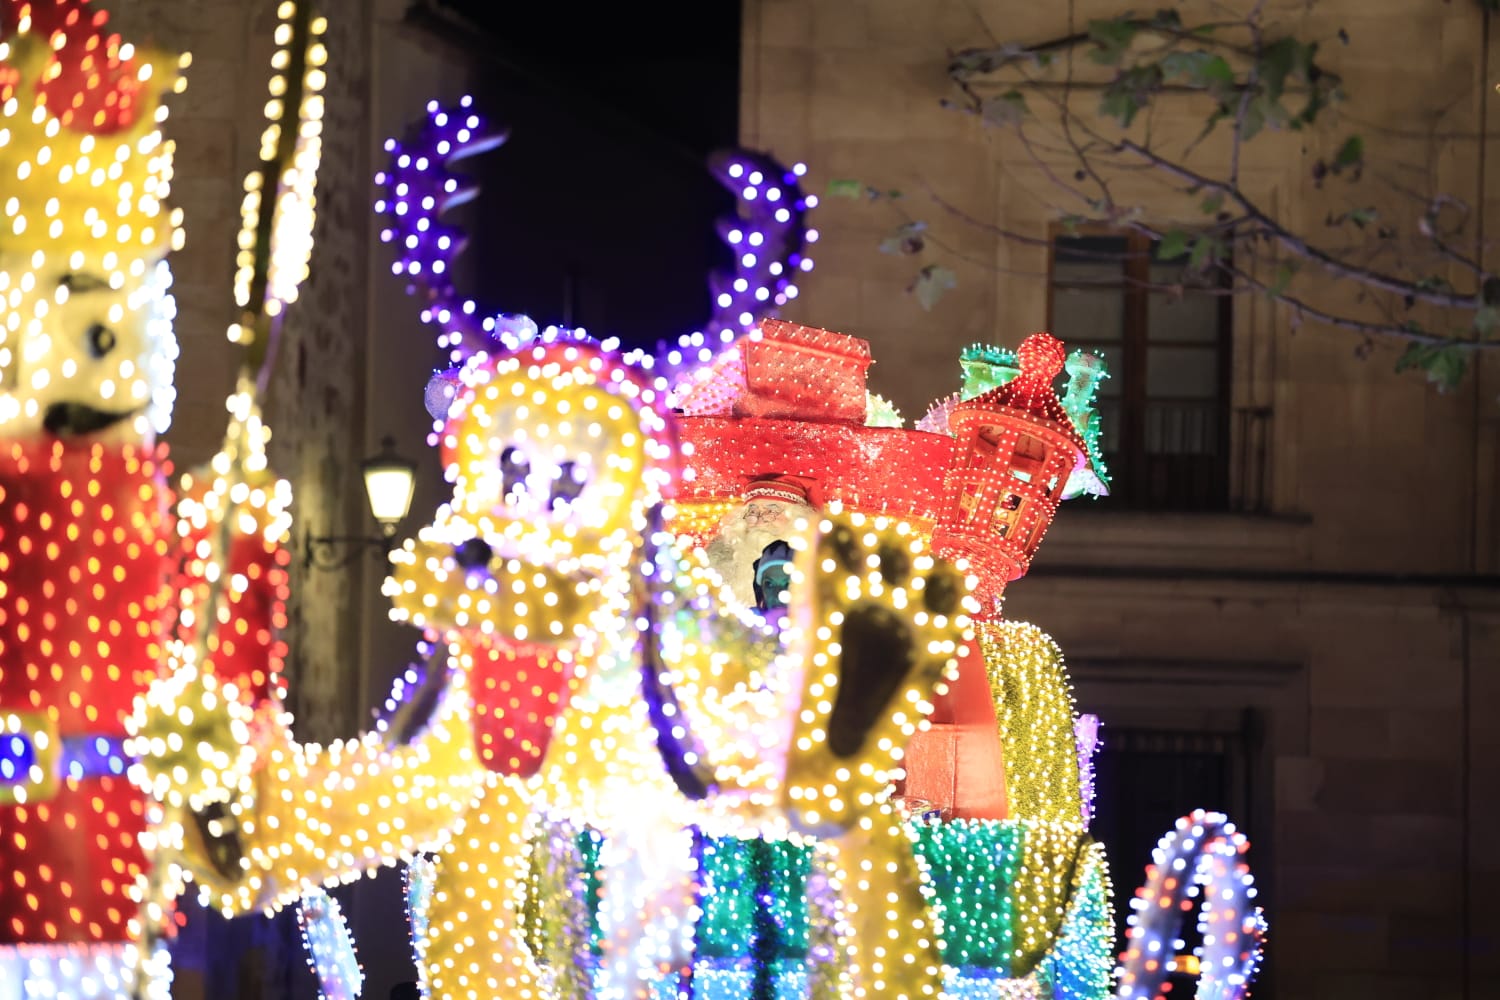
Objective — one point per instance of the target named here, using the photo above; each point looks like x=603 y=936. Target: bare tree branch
x=1297 y=244
x=1246 y=69
x=989 y=60
x=1247 y=92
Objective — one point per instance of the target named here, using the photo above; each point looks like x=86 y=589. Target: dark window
x=1164 y=333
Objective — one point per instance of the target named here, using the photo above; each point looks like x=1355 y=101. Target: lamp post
x=390 y=481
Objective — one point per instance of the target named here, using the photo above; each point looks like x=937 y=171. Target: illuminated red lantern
x=1015 y=447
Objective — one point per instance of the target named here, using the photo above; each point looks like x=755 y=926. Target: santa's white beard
x=739 y=543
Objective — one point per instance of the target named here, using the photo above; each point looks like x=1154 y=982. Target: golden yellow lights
x=191 y=736
x=85 y=318
x=1035 y=714
x=880 y=630
x=109 y=185
x=290 y=218
x=314 y=815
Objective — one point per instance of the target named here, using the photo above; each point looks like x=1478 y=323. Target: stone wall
x=1372 y=689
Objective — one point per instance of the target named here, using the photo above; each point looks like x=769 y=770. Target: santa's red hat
x=787 y=489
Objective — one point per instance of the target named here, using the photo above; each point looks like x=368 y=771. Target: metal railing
x=1193 y=455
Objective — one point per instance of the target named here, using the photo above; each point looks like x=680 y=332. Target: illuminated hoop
x=1203 y=854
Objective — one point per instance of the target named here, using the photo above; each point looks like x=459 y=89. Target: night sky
x=599 y=210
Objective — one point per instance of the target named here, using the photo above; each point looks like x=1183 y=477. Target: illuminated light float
x=815 y=841
x=684 y=791
x=706 y=795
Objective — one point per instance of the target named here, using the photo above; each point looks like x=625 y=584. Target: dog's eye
x=79 y=283
x=102 y=340
x=515 y=466
x=571 y=479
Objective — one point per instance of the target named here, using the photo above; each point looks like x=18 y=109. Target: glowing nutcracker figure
x=86 y=362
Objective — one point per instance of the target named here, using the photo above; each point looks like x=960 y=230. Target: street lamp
x=390 y=481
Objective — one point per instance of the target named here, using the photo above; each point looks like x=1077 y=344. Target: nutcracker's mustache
x=76 y=419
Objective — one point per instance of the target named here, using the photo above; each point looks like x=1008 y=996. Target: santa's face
x=743 y=537
x=86 y=346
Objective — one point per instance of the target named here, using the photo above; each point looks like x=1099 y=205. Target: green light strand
x=1081 y=964
x=971 y=866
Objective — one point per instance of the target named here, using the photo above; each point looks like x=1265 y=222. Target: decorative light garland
x=418 y=186
x=767 y=238
x=1086 y=731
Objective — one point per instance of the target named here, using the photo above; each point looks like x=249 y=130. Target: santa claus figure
x=750 y=549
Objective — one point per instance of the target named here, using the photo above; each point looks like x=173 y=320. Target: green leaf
x=1254 y=119
x=907 y=239
x=1129 y=92
x=845 y=188
x=1213 y=203
x=932 y=282
x=1174 y=243
x=1444 y=364
x=1282 y=59
x=1111 y=38
x=1200 y=69
x=1415 y=356
x=1202 y=252
x=1351 y=153
x=1277 y=288
x=1008 y=108
x=1486 y=320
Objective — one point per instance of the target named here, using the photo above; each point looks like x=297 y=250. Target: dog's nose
x=473 y=554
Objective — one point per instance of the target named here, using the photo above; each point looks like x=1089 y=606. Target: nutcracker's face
x=86 y=346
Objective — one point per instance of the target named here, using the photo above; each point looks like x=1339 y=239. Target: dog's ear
x=879 y=624
x=416 y=707
x=683 y=754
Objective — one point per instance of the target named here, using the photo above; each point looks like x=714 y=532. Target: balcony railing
x=1193 y=457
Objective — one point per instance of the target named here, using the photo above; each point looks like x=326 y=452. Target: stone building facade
x=1331 y=657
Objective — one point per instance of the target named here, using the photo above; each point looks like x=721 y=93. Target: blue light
x=17 y=757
